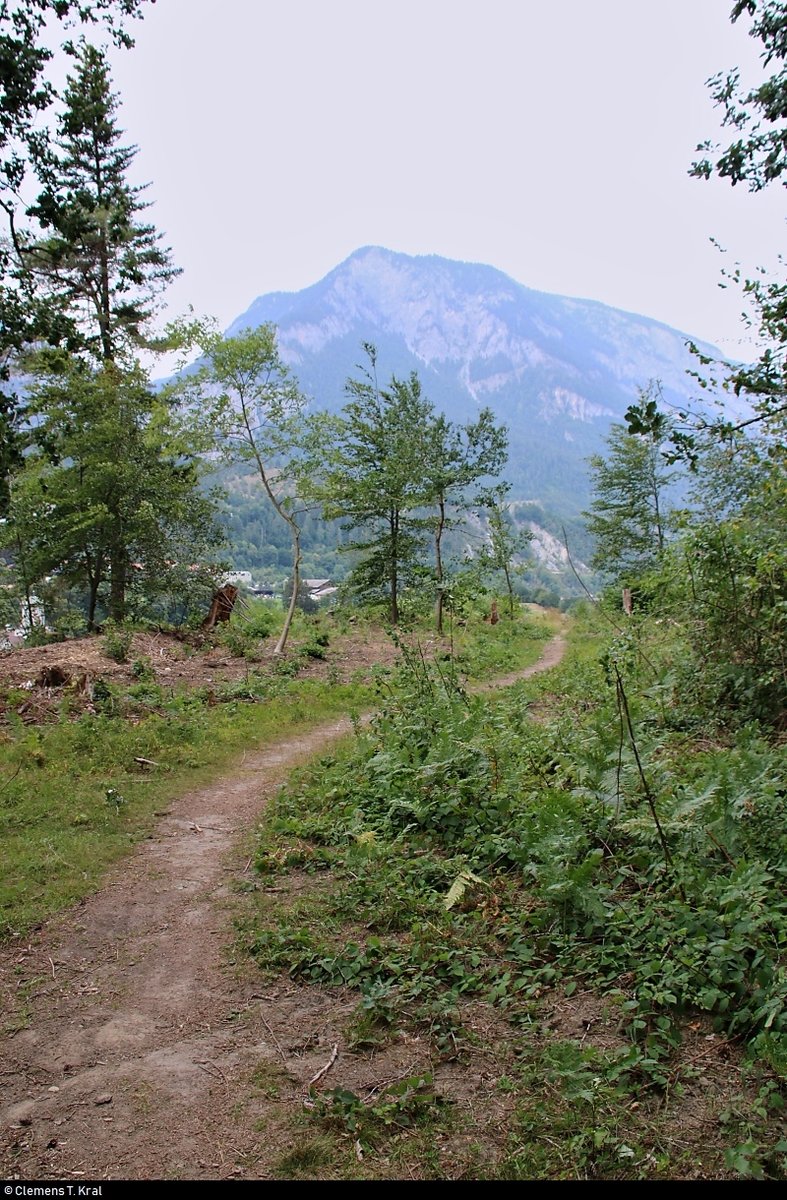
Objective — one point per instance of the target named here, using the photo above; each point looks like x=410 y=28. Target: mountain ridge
x=556 y=370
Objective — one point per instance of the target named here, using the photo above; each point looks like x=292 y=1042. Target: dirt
x=137 y=1048
x=174 y=662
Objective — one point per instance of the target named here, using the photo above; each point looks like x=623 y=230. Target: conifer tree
x=97 y=254
x=28 y=29
x=101 y=434
x=628 y=516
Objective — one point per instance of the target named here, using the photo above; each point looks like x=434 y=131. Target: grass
x=489 y=650
x=74 y=799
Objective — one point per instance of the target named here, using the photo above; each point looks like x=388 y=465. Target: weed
x=142 y=670
x=403 y=1105
x=117 y=641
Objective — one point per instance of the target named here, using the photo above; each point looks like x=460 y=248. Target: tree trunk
x=92 y=602
x=296 y=583
x=25 y=584
x=438 y=561
x=294 y=527
x=94 y=570
x=510 y=593
x=117 y=583
x=393 y=572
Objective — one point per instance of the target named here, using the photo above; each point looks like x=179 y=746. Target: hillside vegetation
x=575 y=888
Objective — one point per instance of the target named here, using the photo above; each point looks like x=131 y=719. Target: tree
x=377 y=479
x=25 y=95
x=726 y=573
x=505 y=542
x=628 y=514
x=93 y=414
x=248 y=403
x=757 y=157
x=94 y=253
x=121 y=504
x=458 y=457
x=733 y=567
x=759 y=154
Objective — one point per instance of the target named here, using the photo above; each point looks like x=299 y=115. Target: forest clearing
x=335 y=981
x=393 y=628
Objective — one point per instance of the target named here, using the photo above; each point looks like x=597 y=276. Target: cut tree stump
x=221 y=606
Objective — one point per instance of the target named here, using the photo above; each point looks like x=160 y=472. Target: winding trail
x=144 y=1050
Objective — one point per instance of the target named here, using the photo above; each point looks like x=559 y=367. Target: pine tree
x=27 y=32
x=628 y=515
x=96 y=253
x=95 y=418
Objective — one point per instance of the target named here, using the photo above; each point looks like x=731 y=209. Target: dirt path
x=142 y=1051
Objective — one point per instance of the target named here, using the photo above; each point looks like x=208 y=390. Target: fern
x=459 y=887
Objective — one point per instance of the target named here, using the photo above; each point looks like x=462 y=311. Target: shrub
x=117 y=641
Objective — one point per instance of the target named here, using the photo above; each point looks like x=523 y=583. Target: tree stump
x=221 y=606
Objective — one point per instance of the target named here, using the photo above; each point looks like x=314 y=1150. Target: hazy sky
x=549 y=138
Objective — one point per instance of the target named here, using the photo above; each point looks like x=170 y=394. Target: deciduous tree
x=378 y=479
x=457 y=458
x=506 y=543
x=251 y=408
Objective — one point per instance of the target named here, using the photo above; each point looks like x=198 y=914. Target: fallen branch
x=11 y=778
x=324 y=1070
x=276 y=1041
x=212 y=1069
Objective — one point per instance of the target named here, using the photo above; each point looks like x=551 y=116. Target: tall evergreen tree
x=27 y=32
x=97 y=255
x=95 y=416
x=628 y=514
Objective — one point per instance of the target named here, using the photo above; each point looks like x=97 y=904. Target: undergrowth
x=606 y=846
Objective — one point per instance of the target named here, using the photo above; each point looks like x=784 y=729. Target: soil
x=175 y=663
x=136 y=1047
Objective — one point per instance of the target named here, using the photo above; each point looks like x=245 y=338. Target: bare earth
x=138 y=1049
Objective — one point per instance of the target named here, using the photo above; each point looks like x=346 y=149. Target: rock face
x=557 y=371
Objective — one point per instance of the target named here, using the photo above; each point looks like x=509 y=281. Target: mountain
x=556 y=370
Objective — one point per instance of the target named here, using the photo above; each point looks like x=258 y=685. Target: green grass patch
x=73 y=798
x=482 y=650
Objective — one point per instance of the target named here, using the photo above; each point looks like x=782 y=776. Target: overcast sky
x=549 y=138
